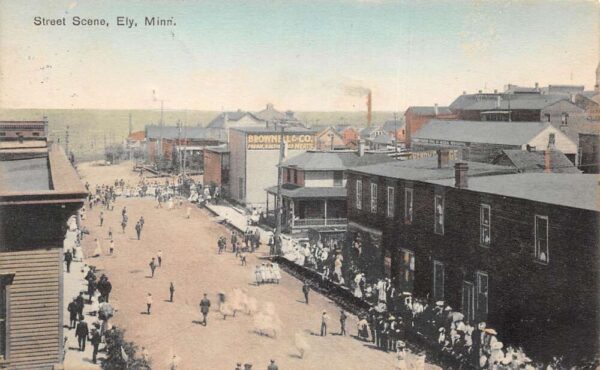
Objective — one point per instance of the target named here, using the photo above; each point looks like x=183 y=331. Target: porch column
x=292 y=203
x=325 y=212
x=268 y=203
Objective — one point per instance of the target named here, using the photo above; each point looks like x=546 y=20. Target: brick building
x=216 y=168
x=519 y=251
x=417 y=117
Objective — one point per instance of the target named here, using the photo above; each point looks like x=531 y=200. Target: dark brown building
x=216 y=168
x=519 y=251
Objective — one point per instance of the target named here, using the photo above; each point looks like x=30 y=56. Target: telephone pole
x=279 y=201
x=67 y=141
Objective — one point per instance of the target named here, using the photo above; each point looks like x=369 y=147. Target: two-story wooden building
x=519 y=251
x=39 y=191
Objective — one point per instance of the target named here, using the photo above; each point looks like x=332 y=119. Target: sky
x=301 y=55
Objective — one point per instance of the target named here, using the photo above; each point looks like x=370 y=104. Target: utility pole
x=395 y=132
x=178 y=147
x=67 y=141
x=279 y=200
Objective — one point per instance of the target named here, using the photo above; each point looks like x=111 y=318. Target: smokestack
x=436 y=109
x=461 y=179
x=361 y=148
x=443 y=156
x=369 y=108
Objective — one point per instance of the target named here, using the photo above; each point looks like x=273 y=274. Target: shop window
x=408 y=205
x=338 y=178
x=390 y=201
x=373 y=197
x=541 y=239
x=439 y=215
x=358 y=194
x=438 y=281
x=482 y=295
x=485 y=226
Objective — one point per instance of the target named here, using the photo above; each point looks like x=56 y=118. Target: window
x=438 y=281
x=295 y=176
x=439 y=215
x=390 y=201
x=468 y=301
x=373 y=197
x=482 y=295
x=485 y=235
x=36 y=134
x=408 y=205
x=338 y=178
x=407 y=270
x=2 y=319
x=288 y=174
x=241 y=188
x=358 y=194
x=541 y=239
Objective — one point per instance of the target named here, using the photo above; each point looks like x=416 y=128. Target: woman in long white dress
x=276 y=273
x=98 y=249
x=357 y=291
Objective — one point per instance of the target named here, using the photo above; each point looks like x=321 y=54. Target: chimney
x=361 y=148
x=573 y=98
x=464 y=92
x=495 y=91
x=537 y=86
x=436 y=109
x=443 y=156
x=480 y=91
x=225 y=119
x=369 y=108
x=547 y=162
x=460 y=175
x=269 y=106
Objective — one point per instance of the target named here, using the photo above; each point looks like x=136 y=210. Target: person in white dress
x=98 y=249
x=357 y=291
x=276 y=273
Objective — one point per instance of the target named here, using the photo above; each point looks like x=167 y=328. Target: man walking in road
x=343 y=318
x=204 y=308
x=81 y=333
x=95 y=339
x=148 y=303
x=273 y=366
x=101 y=218
x=305 y=290
x=152 y=267
x=171 y=292
x=324 y=320
x=68 y=260
x=159 y=257
x=138 y=230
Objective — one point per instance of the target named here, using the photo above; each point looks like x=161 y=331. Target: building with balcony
x=314 y=188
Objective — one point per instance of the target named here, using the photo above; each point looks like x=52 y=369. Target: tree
x=121 y=354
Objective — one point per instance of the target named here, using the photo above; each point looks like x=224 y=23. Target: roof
x=383 y=139
x=271 y=130
x=426 y=168
x=295 y=191
x=219 y=121
x=428 y=110
x=173 y=132
x=521 y=101
x=137 y=136
x=535 y=161
x=270 y=114
x=31 y=174
x=570 y=190
x=490 y=132
x=313 y=160
x=393 y=125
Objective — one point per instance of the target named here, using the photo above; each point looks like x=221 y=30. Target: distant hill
x=91 y=129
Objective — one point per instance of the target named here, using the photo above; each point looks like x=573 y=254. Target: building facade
x=502 y=249
x=39 y=192
x=254 y=156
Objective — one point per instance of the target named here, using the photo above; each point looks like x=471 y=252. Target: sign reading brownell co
x=271 y=141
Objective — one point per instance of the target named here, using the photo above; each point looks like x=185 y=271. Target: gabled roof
x=219 y=121
x=428 y=110
x=570 y=190
x=489 y=132
x=427 y=168
x=330 y=129
x=314 y=160
x=173 y=132
x=535 y=161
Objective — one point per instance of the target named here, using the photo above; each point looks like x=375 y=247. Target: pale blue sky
x=297 y=54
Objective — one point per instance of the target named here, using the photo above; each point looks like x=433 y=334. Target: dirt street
x=191 y=262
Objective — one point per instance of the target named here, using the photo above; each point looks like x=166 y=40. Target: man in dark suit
x=204 y=308
x=81 y=333
x=72 y=308
x=305 y=290
x=95 y=339
x=80 y=303
x=68 y=259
